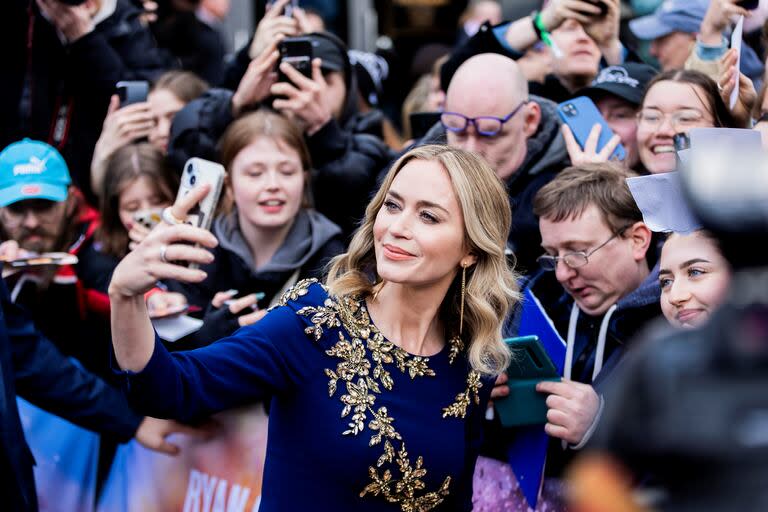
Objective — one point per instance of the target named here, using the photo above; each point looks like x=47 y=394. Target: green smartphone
x=530 y=365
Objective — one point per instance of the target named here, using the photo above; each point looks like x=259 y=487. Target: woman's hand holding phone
x=273 y=26
x=590 y=154
x=121 y=127
x=258 y=79
x=165 y=252
x=604 y=31
x=557 y=11
x=303 y=98
x=718 y=18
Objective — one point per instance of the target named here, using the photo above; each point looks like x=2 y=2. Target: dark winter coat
x=33 y=368
x=57 y=92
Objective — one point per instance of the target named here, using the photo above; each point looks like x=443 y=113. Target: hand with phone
x=258 y=79
x=166 y=252
x=143 y=222
x=583 y=11
x=303 y=98
x=9 y=251
x=122 y=126
x=588 y=136
x=283 y=18
x=572 y=409
x=162 y=304
x=589 y=154
x=604 y=30
x=720 y=15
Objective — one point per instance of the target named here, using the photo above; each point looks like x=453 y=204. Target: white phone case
x=196 y=173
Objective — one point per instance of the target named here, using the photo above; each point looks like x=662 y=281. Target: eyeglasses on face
x=487 y=126
x=680 y=119
x=43 y=209
x=575 y=259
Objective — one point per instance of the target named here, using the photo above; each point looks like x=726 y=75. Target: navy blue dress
x=356 y=423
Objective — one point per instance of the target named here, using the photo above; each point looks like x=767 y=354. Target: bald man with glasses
x=488 y=110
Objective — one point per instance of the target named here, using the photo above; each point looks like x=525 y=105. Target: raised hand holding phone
x=557 y=11
x=122 y=126
x=304 y=98
x=581 y=115
x=719 y=17
x=258 y=79
x=166 y=251
x=589 y=154
x=604 y=30
x=275 y=24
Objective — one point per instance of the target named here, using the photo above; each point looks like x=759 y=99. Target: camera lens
x=190 y=168
x=192 y=180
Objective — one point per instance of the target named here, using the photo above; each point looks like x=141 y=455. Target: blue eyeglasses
x=487 y=126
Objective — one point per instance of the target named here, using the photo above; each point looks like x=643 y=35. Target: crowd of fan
x=303 y=157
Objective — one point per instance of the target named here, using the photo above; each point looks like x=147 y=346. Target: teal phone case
x=530 y=365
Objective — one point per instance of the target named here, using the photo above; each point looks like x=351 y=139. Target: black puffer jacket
x=59 y=93
x=346 y=153
x=198 y=45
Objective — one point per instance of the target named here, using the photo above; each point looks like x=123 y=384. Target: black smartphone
x=421 y=122
x=288 y=9
x=602 y=5
x=681 y=141
x=750 y=5
x=132 y=91
x=296 y=51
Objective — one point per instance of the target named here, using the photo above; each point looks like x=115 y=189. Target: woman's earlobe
x=468 y=261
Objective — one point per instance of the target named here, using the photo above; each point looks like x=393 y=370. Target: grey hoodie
x=309 y=233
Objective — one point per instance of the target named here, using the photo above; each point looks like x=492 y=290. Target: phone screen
x=131 y=92
x=296 y=51
x=749 y=4
x=287 y=10
x=599 y=3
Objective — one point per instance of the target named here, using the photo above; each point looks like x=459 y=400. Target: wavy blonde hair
x=491 y=287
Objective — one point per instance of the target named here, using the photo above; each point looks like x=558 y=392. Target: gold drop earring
x=456 y=343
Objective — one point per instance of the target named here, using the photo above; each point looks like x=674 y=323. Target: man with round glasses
x=488 y=110
x=597 y=287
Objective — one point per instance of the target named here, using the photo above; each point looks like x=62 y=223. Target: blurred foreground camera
x=688 y=414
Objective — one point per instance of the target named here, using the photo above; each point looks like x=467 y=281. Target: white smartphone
x=198 y=172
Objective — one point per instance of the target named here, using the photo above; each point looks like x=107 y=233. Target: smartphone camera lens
x=570 y=110
x=191 y=178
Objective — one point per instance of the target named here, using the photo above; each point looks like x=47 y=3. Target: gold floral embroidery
x=321 y=315
x=458 y=409
x=456 y=345
x=361 y=369
x=404 y=491
x=300 y=289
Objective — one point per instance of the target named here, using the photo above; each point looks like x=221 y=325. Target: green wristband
x=542 y=31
